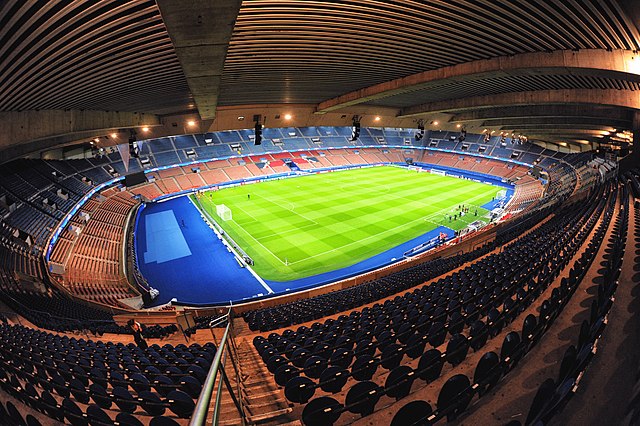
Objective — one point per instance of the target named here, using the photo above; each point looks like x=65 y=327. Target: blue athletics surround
x=188 y=262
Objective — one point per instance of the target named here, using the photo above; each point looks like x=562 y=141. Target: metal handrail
x=201 y=410
x=218 y=366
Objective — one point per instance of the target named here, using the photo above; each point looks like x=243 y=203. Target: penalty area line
x=249 y=268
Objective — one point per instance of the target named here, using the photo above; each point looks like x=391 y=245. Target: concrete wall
x=29 y=131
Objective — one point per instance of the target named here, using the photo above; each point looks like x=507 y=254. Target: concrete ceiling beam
x=200 y=31
x=604 y=63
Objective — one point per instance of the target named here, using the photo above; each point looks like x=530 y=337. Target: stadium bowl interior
x=319 y=212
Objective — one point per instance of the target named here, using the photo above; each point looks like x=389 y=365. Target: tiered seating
x=93 y=270
x=527 y=191
x=552 y=394
x=77 y=381
x=327 y=304
x=465 y=305
x=562 y=181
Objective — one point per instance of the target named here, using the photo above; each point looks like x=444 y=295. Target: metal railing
x=226 y=351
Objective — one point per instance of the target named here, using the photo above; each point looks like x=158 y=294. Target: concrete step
x=270 y=416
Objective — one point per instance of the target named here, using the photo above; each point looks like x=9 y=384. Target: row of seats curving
x=394 y=335
x=44 y=370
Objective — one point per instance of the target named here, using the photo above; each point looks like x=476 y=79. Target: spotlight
x=114 y=135
x=191 y=123
x=487 y=136
x=145 y=129
x=287 y=116
x=377 y=118
x=257 y=129
x=355 y=130
x=96 y=140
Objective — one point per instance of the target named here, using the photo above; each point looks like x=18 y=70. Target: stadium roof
x=557 y=70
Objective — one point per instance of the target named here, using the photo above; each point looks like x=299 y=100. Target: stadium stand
x=443 y=328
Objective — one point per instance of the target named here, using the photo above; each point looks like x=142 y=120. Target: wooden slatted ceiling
x=308 y=51
x=106 y=55
x=117 y=55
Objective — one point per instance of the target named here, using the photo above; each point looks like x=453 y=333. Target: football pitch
x=297 y=227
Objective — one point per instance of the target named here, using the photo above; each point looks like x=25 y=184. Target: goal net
x=223 y=211
x=501 y=195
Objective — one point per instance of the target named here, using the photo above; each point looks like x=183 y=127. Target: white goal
x=501 y=195
x=224 y=212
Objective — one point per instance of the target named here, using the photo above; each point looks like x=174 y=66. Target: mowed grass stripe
x=302 y=226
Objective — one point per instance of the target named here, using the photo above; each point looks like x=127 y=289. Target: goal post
x=501 y=195
x=223 y=212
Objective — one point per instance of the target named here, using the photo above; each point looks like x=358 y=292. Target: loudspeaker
x=258 y=134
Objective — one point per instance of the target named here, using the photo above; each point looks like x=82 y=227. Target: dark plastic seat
x=512 y=350
x=314 y=366
x=151 y=403
x=163 y=421
x=123 y=399
x=457 y=349
x=399 y=381
x=530 y=329
x=274 y=362
x=79 y=391
x=437 y=334
x=180 y=404
x=14 y=415
x=365 y=348
x=568 y=364
x=392 y=356
x=333 y=379
x=51 y=406
x=430 y=365
x=163 y=385
x=455 y=396
x=488 y=372
x=415 y=345
x=364 y=368
x=126 y=419
x=362 y=398
x=139 y=382
x=342 y=357
x=321 y=411
x=99 y=396
x=299 y=357
x=32 y=421
x=415 y=413
x=299 y=389
x=284 y=373
x=73 y=413
x=540 y=401
x=97 y=416
x=479 y=334
x=60 y=385
x=191 y=386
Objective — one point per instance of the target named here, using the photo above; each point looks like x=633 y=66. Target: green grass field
x=302 y=226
